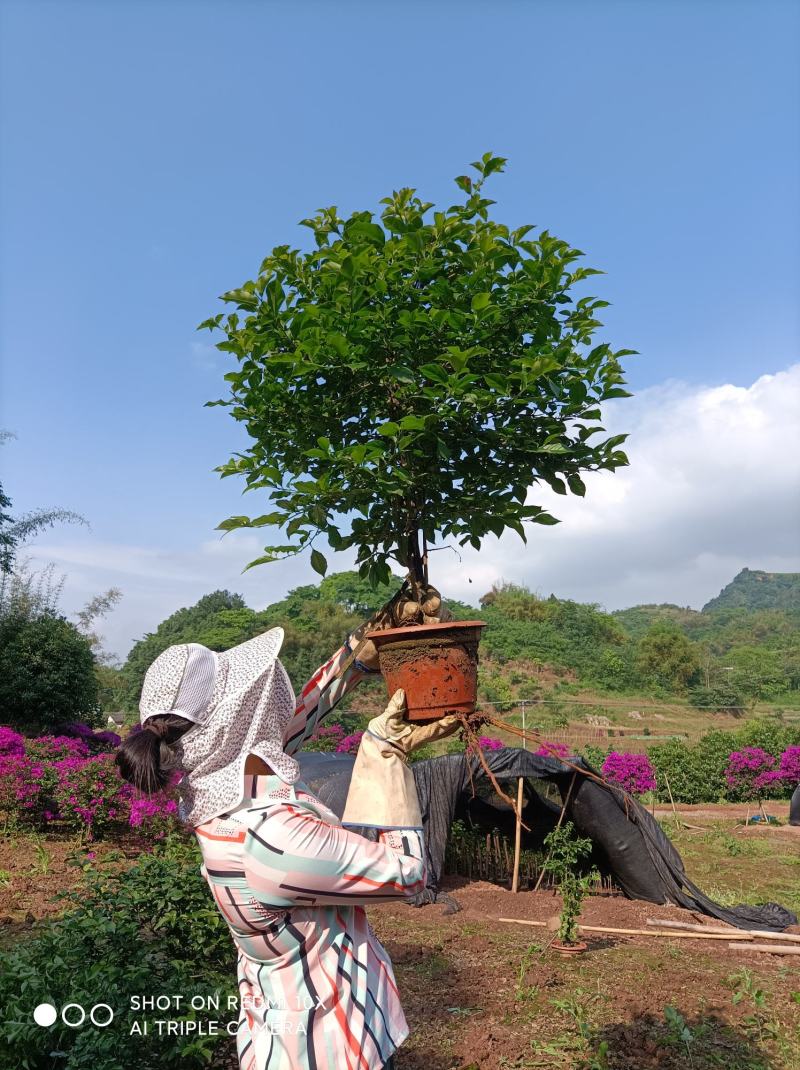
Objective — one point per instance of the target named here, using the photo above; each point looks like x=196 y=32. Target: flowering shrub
x=104 y=740
x=26 y=789
x=11 y=742
x=157 y=812
x=57 y=779
x=750 y=772
x=487 y=743
x=327 y=738
x=632 y=772
x=53 y=748
x=90 y=794
x=553 y=750
x=789 y=766
x=350 y=744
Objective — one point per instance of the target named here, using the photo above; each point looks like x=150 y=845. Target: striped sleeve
x=326 y=688
x=292 y=858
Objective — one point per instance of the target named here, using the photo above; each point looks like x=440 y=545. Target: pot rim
x=423 y=630
x=569 y=949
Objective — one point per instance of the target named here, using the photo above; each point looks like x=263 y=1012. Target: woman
x=317 y=990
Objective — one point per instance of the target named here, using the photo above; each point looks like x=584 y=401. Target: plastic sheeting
x=794 y=807
x=629 y=844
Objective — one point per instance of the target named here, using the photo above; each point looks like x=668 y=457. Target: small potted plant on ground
x=565 y=851
x=405 y=383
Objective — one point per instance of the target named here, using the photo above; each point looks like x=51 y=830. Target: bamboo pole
x=678 y=821
x=518 y=822
x=517 y=838
x=730 y=931
x=743 y=937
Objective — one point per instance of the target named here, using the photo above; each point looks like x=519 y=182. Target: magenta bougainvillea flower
x=789 y=765
x=632 y=772
x=11 y=742
x=750 y=771
x=553 y=750
x=349 y=744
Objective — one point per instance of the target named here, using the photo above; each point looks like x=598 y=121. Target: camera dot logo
x=74 y=1015
x=45 y=1014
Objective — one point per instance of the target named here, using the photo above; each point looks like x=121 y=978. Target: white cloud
x=713 y=486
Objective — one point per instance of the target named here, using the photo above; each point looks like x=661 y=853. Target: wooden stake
x=678 y=821
x=517 y=838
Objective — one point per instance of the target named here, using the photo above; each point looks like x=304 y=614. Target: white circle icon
x=45 y=1014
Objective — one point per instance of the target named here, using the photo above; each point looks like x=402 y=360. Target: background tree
x=666 y=657
x=194 y=624
x=47 y=673
x=315 y=622
x=409 y=380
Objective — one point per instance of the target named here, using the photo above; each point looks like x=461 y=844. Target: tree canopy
x=47 y=673
x=410 y=378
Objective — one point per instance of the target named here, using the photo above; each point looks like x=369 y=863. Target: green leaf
x=272 y=553
x=234 y=522
x=480 y=301
x=266 y=519
x=499 y=382
x=389 y=429
x=318 y=562
x=576 y=485
x=413 y=423
x=435 y=372
x=401 y=374
x=616 y=392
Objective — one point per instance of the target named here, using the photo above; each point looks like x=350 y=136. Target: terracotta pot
x=435 y=664
x=568 y=949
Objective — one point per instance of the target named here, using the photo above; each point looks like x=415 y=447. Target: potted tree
x=408 y=381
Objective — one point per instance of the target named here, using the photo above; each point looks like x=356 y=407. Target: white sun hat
x=240 y=702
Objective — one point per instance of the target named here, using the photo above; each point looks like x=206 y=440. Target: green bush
x=709 y=759
x=674 y=766
x=769 y=734
x=697 y=773
x=47 y=673
x=151 y=930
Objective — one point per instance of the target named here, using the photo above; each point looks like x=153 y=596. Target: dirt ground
x=481 y=994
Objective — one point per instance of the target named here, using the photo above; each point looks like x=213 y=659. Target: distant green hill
x=758 y=590
x=639 y=619
x=744 y=645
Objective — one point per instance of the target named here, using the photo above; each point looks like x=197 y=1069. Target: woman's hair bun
x=144 y=758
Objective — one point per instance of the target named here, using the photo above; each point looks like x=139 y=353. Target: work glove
x=429 y=609
x=382 y=792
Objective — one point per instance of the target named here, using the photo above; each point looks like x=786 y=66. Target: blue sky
x=152 y=153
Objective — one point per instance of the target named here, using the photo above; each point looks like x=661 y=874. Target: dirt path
x=482 y=994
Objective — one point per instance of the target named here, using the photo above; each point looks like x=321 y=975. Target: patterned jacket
x=316 y=988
